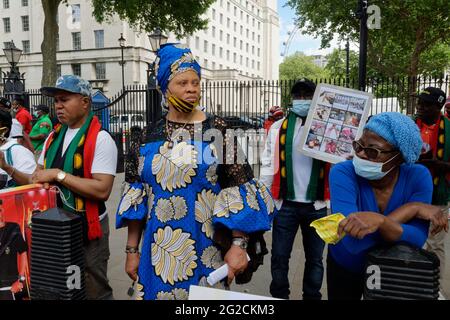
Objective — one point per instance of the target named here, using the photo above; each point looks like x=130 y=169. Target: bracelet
x=131 y=250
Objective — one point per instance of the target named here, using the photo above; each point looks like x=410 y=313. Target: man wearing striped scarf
x=298 y=182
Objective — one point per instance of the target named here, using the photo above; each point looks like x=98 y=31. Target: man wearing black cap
x=435 y=131
x=41 y=128
x=298 y=182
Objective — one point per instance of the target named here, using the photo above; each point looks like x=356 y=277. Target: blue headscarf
x=172 y=59
x=400 y=131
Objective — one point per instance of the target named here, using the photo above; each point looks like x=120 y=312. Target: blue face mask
x=301 y=107
x=370 y=170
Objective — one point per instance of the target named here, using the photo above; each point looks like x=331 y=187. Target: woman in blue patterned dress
x=180 y=192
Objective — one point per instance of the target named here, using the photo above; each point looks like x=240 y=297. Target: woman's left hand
x=237 y=261
x=360 y=224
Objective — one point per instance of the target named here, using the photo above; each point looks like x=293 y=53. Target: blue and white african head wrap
x=173 y=59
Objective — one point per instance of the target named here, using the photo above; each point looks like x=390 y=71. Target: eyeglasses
x=371 y=153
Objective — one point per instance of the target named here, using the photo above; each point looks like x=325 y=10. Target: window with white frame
x=214 y=14
x=5 y=4
x=213 y=49
x=197 y=43
x=235 y=27
x=205 y=46
x=228 y=22
x=25 y=23
x=221 y=52
x=76 y=69
x=99 y=38
x=7 y=45
x=228 y=55
x=241 y=44
x=235 y=57
x=76 y=40
x=76 y=13
x=221 y=18
x=24 y=3
x=100 y=70
x=26 y=46
x=214 y=32
x=7 y=25
x=235 y=42
x=228 y=38
x=221 y=35
x=213 y=65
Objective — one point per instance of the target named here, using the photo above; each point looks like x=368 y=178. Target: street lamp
x=122 y=62
x=157 y=39
x=363 y=33
x=12 y=79
x=154 y=112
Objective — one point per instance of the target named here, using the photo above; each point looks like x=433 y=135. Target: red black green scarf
x=441 y=190
x=283 y=182
x=78 y=162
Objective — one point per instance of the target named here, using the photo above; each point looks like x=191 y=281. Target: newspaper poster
x=336 y=118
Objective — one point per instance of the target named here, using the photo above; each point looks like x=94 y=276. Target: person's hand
x=132 y=265
x=237 y=261
x=360 y=224
x=45 y=176
x=434 y=214
x=17 y=287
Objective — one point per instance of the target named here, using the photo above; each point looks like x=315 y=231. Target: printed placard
x=336 y=118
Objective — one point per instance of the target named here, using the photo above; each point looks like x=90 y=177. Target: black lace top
x=231 y=173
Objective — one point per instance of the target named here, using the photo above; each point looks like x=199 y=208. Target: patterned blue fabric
x=172 y=59
x=181 y=201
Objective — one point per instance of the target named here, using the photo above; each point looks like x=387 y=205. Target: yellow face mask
x=182 y=105
x=327 y=228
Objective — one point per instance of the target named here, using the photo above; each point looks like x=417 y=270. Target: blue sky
x=308 y=44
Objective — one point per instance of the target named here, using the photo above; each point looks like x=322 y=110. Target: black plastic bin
x=406 y=273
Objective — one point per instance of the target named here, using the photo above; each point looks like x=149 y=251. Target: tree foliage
x=336 y=64
x=181 y=17
x=178 y=16
x=298 y=66
x=411 y=34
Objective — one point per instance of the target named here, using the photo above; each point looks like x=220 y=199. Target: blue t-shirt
x=351 y=193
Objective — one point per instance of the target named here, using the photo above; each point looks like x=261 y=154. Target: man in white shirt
x=298 y=185
x=13 y=156
x=81 y=159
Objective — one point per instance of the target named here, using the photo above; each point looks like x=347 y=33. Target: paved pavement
x=261 y=278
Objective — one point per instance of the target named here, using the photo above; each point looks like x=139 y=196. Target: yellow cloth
x=327 y=228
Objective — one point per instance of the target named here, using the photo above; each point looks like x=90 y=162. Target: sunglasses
x=371 y=153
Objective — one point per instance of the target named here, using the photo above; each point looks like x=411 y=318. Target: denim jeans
x=291 y=216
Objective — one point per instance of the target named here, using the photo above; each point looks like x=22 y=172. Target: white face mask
x=371 y=170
